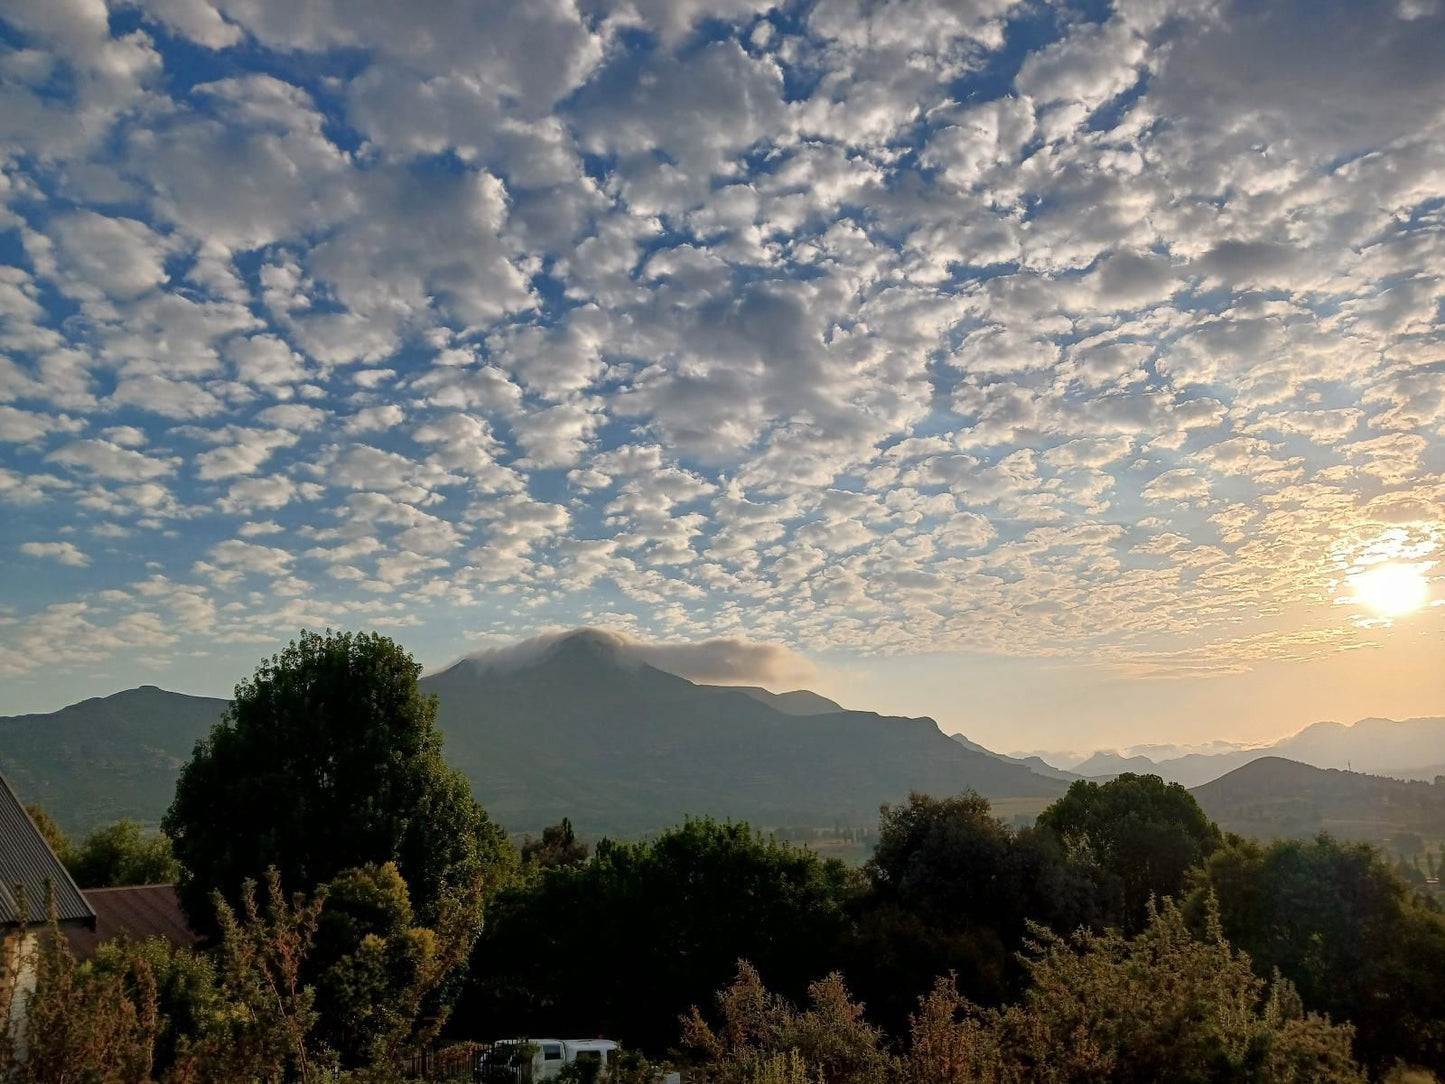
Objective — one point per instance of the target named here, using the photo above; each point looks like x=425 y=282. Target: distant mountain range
x=582 y=731
x=1403 y=749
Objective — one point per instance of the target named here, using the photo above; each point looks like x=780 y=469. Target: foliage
x=332 y=758
x=122 y=854
x=1145 y=834
x=79 y=1023
x=142 y=1012
x=377 y=972
x=266 y=1013
x=50 y=831
x=762 y=1037
x=559 y=846
x=1163 y=1006
x=626 y=942
x=185 y=984
x=1339 y=923
x=951 y=889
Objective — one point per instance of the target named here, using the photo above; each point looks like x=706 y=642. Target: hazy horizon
x=1072 y=373
x=913 y=689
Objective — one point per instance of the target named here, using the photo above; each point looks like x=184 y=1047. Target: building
x=31 y=878
x=136 y=912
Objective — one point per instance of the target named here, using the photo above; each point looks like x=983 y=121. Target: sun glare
x=1391 y=590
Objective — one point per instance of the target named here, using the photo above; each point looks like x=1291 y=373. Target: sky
x=1058 y=370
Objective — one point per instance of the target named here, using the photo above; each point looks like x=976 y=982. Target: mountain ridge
x=1412 y=748
x=579 y=730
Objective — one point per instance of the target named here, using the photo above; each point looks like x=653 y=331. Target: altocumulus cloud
x=1104 y=332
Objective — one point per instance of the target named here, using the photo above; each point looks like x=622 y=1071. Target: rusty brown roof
x=28 y=866
x=137 y=911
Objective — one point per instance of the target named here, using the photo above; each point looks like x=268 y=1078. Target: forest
x=359 y=908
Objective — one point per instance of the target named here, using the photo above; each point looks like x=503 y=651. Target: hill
x=108 y=757
x=1271 y=798
x=581 y=730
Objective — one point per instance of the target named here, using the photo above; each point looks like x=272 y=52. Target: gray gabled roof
x=28 y=863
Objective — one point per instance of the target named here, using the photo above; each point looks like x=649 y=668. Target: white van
x=507 y=1061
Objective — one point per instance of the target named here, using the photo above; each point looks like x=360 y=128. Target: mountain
x=1401 y=749
x=1032 y=763
x=618 y=745
x=106 y=758
x=581 y=730
x=1368 y=745
x=797 y=702
x=1111 y=764
x=1271 y=797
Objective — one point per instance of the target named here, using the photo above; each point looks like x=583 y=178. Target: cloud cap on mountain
x=722 y=660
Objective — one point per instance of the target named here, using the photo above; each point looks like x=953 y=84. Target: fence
x=445 y=1063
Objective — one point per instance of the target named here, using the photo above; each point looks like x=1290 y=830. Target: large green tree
x=626 y=942
x=1146 y=836
x=1337 y=921
x=952 y=887
x=329 y=759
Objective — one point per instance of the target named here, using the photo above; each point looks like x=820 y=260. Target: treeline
x=627 y=939
x=1121 y=937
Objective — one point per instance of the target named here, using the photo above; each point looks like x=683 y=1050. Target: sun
x=1391 y=590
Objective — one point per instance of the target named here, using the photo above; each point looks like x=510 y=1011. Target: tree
x=952 y=888
x=78 y=1023
x=678 y=912
x=122 y=854
x=1166 y=1005
x=329 y=759
x=186 y=996
x=761 y=1037
x=1145 y=834
x=49 y=830
x=376 y=971
x=1337 y=921
x=559 y=846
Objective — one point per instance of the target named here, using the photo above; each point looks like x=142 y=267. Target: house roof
x=137 y=911
x=28 y=863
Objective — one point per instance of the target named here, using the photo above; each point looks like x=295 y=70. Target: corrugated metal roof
x=26 y=861
x=137 y=911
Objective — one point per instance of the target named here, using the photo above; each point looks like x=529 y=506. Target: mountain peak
x=592 y=647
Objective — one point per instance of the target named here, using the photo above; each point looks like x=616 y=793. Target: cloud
x=877 y=327
x=107 y=460
x=66 y=553
x=720 y=660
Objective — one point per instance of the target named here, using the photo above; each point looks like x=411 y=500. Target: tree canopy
x=626 y=942
x=1145 y=834
x=122 y=853
x=951 y=889
x=1165 y=1005
x=1335 y=919
x=329 y=759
